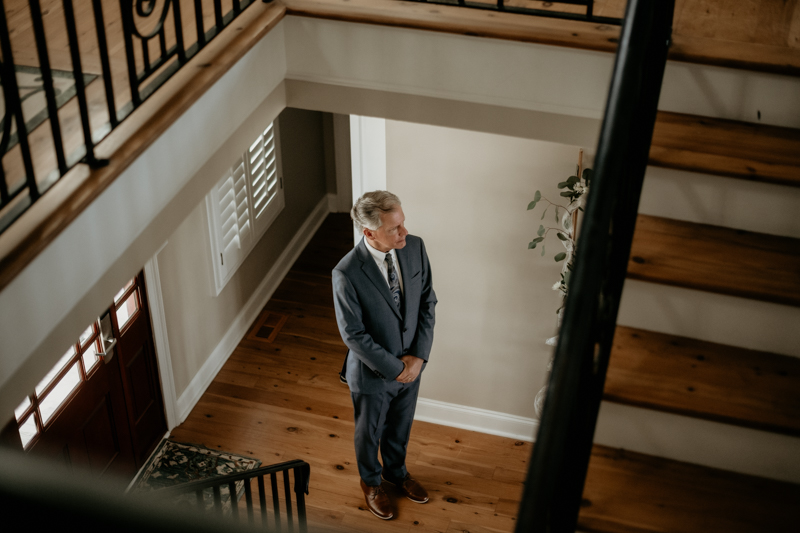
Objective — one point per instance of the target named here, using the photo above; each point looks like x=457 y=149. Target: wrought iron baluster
x=47 y=80
x=218 y=16
x=176 y=15
x=162 y=42
x=217 y=500
x=145 y=59
x=198 y=18
x=287 y=490
x=248 y=496
x=234 y=501
x=102 y=47
x=276 y=506
x=80 y=87
x=262 y=501
x=301 y=479
x=126 y=8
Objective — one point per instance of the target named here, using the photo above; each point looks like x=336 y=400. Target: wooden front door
x=137 y=357
x=101 y=412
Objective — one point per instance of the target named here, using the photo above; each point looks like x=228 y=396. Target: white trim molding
x=158 y=322
x=250 y=311
x=475 y=419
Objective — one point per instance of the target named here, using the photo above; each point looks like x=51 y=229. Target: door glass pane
x=27 y=430
x=90 y=357
x=56 y=397
x=86 y=335
x=55 y=370
x=21 y=409
x=123 y=289
x=127 y=310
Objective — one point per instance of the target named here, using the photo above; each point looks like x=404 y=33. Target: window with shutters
x=243 y=204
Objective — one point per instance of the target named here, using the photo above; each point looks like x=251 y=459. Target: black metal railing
x=501 y=5
x=152 y=35
x=554 y=485
x=266 y=507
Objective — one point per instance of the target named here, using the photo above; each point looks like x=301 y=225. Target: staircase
x=628 y=492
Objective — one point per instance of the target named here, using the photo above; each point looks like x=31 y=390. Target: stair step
x=748 y=388
x=716 y=259
x=726 y=147
x=628 y=492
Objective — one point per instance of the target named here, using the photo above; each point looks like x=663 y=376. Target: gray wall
x=196 y=319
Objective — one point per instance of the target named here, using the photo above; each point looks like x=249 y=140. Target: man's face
x=391 y=234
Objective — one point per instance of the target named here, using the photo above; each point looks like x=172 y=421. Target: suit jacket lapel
x=374 y=275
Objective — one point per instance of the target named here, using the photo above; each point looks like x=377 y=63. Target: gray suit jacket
x=369 y=321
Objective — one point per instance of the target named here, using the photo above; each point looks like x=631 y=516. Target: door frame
x=158 y=322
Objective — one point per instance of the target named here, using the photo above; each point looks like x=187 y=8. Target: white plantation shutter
x=265 y=183
x=243 y=204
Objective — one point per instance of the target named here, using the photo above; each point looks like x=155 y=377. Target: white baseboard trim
x=474 y=419
x=250 y=311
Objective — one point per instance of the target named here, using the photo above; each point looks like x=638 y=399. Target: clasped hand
x=412 y=367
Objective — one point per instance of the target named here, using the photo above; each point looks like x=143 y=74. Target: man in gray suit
x=384 y=300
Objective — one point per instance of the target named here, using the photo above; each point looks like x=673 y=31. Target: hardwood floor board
x=289 y=358
x=464 y=527
x=726 y=147
x=517 y=461
x=364 y=522
x=483 y=441
x=628 y=492
x=303 y=292
x=312 y=321
x=296 y=347
x=456 y=465
x=509 y=475
x=320 y=394
x=233 y=377
x=509 y=506
x=716 y=259
x=695 y=378
x=295 y=402
x=322 y=520
x=280 y=423
x=465 y=483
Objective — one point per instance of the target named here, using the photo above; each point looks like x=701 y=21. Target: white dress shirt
x=380 y=260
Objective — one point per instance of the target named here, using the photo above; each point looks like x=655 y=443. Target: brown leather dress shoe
x=377 y=501
x=412 y=489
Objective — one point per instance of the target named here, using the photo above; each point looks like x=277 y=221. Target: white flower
x=552 y=341
x=557 y=286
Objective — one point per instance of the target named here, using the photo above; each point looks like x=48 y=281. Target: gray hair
x=367 y=211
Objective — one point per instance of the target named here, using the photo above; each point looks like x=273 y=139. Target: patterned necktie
x=394 y=282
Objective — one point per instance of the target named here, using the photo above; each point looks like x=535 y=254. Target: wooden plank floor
x=628 y=492
x=726 y=148
x=706 y=380
x=716 y=259
x=283 y=400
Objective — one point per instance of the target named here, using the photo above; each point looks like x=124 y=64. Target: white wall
x=466 y=193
